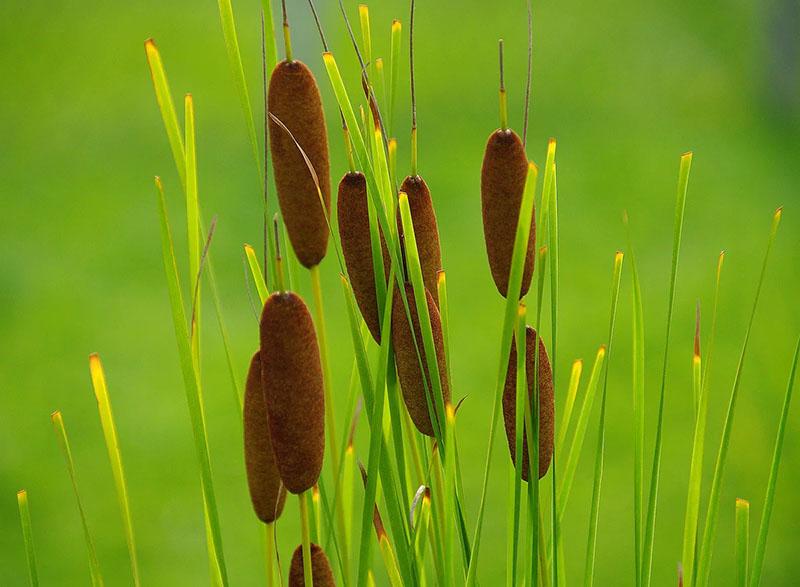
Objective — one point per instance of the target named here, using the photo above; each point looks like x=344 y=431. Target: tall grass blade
x=191 y=383
x=761 y=543
x=580 y=432
x=433 y=386
x=63 y=441
x=255 y=271
x=594 y=516
x=166 y=106
x=237 y=70
x=112 y=445
x=652 y=503
x=741 y=540
x=27 y=535
x=710 y=526
x=509 y=319
x=394 y=77
x=569 y=406
x=637 y=380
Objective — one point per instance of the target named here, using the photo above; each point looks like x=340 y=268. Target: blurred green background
x=625 y=86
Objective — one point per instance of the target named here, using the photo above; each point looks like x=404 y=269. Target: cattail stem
x=278 y=259
x=503 y=96
x=269 y=552
x=305 y=529
x=330 y=418
x=348 y=147
x=287 y=38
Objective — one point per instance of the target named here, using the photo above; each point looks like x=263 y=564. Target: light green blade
x=27 y=535
x=652 y=504
x=769 y=500
x=114 y=455
x=63 y=441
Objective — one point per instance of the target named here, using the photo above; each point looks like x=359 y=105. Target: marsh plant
x=301 y=456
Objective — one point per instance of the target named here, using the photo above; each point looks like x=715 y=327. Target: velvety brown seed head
x=292 y=381
x=357 y=248
x=266 y=488
x=426 y=231
x=295 y=100
x=505 y=167
x=546 y=414
x=321 y=572
x=408 y=367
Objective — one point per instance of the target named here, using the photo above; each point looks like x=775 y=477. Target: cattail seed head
x=408 y=366
x=321 y=572
x=266 y=488
x=505 y=168
x=426 y=231
x=295 y=100
x=293 y=388
x=354 y=232
x=546 y=413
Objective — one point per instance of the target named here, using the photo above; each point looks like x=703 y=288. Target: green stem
x=305 y=529
x=330 y=419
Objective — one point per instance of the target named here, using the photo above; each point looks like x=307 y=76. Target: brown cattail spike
x=505 y=167
x=426 y=231
x=293 y=389
x=266 y=488
x=546 y=415
x=354 y=233
x=294 y=99
x=408 y=366
x=321 y=572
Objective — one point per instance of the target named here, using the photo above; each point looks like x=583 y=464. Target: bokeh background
x=625 y=86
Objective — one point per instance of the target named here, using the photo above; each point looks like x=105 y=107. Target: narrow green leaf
x=27 y=535
x=580 y=433
x=769 y=500
x=652 y=504
x=237 y=70
x=63 y=441
x=637 y=377
x=710 y=526
x=572 y=394
x=192 y=387
x=514 y=285
x=594 y=516
x=394 y=78
x=255 y=271
x=375 y=446
x=742 y=539
x=166 y=107
x=112 y=445
x=433 y=385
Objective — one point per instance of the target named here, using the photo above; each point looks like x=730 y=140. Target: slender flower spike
x=321 y=572
x=426 y=231
x=354 y=232
x=295 y=101
x=266 y=488
x=505 y=167
x=292 y=381
x=408 y=362
x=546 y=410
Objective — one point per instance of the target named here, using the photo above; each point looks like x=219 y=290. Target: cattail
x=292 y=381
x=408 y=366
x=294 y=99
x=505 y=167
x=546 y=416
x=426 y=231
x=354 y=233
x=321 y=572
x=266 y=488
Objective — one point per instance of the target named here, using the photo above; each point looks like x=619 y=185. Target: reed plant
x=386 y=243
